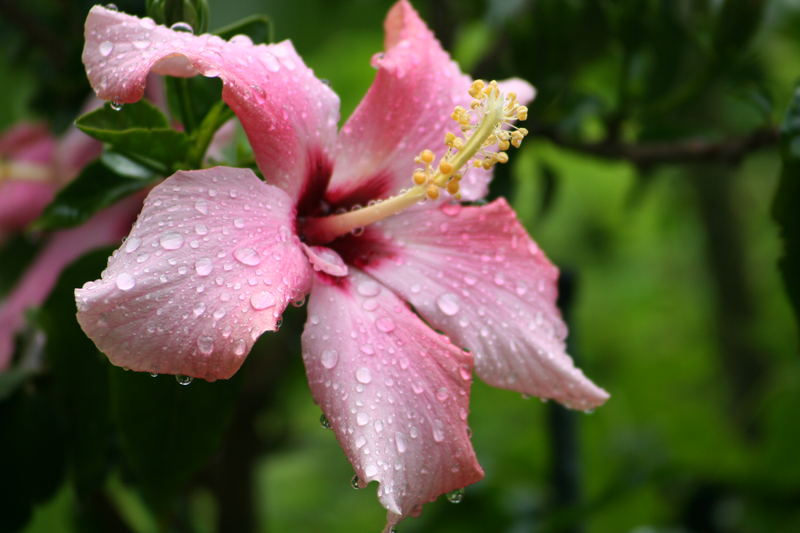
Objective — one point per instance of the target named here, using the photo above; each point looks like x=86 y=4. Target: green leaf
x=190 y=99
x=168 y=431
x=783 y=208
x=257 y=27
x=138 y=130
x=17 y=254
x=101 y=184
x=12 y=379
x=81 y=377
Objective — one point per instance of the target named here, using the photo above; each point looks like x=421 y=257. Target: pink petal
x=289 y=115
x=396 y=393
x=22 y=201
x=475 y=274
x=210 y=264
x=27 y=142
x=325 y=260
x=407 y=109
x=105 y=228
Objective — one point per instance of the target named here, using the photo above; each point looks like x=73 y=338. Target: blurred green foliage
x=650 y=178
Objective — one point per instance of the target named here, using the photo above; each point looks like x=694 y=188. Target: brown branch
x=680 y=151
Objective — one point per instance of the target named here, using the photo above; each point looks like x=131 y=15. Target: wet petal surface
x=210 y=264
x=395 y=392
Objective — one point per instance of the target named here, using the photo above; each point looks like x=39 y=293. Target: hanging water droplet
x=300 y=302
x=355 y=482
x=112 y=7
x=183 y=380
x=455 y=496
x=115 y=106
x=182 y=27
x=324 y=422
x=326 y=82
x=153 y=374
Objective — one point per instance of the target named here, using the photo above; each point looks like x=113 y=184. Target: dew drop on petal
x=205 y=344
x=362 y=419
x=400 y=442
x=132 y=244
x=448 y=303
x=105 y=48
x=438 y=430
x=125 y=282
x=324 y=422
x=363 y=375
x=368 y=288
x=329 y=358
x=201 y=206
x=203 y=266
x=385 y=324
x=247 y=256
x=171 y=241
x=371 y=470
x=183 y=380
x=455 y=496
x=182 y=27
x=262 y=300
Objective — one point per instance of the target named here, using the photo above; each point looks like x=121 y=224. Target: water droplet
x=400 y=442
x=451 y=209
x=355 y=482
x=205 y=344
x=363 y=375
x=329 y=358
x=385 y=324
x=247 y=256
x=171 y=241
x=202 y=208
x=362 y=419
x=115 y=106
x=201 y=229
x=371 y=470
x=203 y=266
x=182 y=27
x=455 y=496
x=326 y=82
x=132 y=244
x=199 y=309
x=448 y=303
x=300 y=302
x=105 y=48
x=324 y=422
x=112 y=7
x=125 y=282
x=241 y=39
x=438 y=430
x=153 y=375
x=262 y=300
x=442 y=394
x=368 y=288
x=141 y=45
x=239 y=223
x=183 y=380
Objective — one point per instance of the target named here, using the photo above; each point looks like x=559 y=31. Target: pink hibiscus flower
x=217 y=254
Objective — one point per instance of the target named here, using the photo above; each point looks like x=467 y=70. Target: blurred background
x=653 y=177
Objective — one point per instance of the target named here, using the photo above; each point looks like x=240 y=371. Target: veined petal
x=289 y=115
x=395 y=392
x=475 y=274
x=105 y=228
x=407 y=109
x=210 y=264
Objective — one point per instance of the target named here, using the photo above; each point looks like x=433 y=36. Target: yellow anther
x=427 y=156
x=458 y=143
x=449 y=138
x=432 y=192
x=476 y=88
x=501 y=157
x=503 y=145
x=453 y=187
x=487 y=163
x=476 y=163
x=420 y=177
x=522 y=113
x=446 y=168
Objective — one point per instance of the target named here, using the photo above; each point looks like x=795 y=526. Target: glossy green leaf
x=169 y=431
x=101 y=184
x=784 y=207
x=139 y=131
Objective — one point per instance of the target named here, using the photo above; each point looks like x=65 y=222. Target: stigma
x=484 y=133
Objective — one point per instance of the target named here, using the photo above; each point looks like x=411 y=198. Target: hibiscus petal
x=396 y=393
x=21 y=202
x=105 y=228
x=475 y=274
x=407 y=109
x=289 y=115
x=210 y=264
